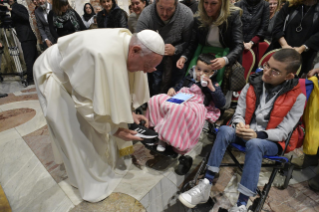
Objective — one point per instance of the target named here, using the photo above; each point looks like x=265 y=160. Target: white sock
x=161 y=146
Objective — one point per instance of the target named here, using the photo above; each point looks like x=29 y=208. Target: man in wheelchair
x=269 y=107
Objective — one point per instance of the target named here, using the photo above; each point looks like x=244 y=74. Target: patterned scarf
x=69 y=15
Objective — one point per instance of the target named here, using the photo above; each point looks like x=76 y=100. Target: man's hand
x=169 y=50
x=180 y=62
x=313 y=72
x=5 y=6
x=127 y=135
x=245 y=132
x=218 y=63
x=300 y=49
x=137 y=118
x=248 y=45
x=48 y=42
x=0 y=45
x=171 y=92
x=240 y=125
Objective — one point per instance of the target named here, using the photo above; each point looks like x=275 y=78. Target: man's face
x=151 y=61
x=138 y=62
x=137 y=6
x=41 y=2
x=275 y=72
x=35 y=2
x=98 y=9
x=11 y=2
x=165 y=9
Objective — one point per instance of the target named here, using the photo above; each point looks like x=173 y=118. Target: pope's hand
x=127 y=135
x=138 y=118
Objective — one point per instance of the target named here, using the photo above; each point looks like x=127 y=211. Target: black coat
x=20 y=20
x=230 y=36
x=68 y=27
x=309 y=36
x=116 y=19
x=255 y=21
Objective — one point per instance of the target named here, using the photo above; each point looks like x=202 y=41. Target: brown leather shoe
x=304 y=161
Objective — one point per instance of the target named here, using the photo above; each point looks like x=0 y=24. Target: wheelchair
x=281 y=165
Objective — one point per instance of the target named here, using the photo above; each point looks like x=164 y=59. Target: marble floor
x=32 y=181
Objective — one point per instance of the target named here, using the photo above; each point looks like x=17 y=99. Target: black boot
x=185 y=164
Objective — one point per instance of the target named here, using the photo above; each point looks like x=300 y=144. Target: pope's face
x=151 y=61
x=139 y=62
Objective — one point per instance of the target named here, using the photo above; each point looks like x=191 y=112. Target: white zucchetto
x=152 y=40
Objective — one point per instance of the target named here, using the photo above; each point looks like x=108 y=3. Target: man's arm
x=40 y=26
x=186 y=34
x=240 y=112
x=281 y=132
x=21 y=12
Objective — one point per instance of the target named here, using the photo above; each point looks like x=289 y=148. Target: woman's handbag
x=234 y=77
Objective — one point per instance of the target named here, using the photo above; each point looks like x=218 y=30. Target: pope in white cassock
x=88 y=84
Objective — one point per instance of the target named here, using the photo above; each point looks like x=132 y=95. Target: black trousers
x=30 y=54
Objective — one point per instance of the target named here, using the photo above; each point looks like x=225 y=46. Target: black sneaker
x=143 y=132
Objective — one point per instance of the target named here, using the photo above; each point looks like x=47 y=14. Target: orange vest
x=281 y=107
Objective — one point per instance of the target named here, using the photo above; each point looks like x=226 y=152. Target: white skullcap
x=152 y=40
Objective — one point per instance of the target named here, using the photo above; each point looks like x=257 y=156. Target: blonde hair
x=278 y=5
x=295 y=2
x=226 y=9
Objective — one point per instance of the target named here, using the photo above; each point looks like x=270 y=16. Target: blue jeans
x=255 y=149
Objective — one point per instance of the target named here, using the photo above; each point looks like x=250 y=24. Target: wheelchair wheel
x=288 y=174
x=256 y=204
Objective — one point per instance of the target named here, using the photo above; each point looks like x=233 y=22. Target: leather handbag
x=234 y=77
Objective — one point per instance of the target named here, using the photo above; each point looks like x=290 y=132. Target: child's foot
x=161 y=146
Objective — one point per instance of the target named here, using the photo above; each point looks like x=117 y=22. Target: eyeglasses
x=273 y=72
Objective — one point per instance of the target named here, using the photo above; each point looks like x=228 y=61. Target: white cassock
x=86 y=93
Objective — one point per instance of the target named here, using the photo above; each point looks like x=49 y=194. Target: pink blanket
x=181 y=125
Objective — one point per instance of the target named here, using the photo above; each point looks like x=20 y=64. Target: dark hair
x=175 y=2
x=290 y=57
x=145 y=1
x=57 y=4
x=113 y=3
x=90 y=7
x=206 y=58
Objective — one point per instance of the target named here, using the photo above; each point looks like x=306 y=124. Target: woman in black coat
x=255 y=20
x=112 y=16
x=297 y=26
x=63 y=20
x=226 y=24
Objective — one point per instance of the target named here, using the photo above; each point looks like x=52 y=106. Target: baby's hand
x=171 y=92
x=209 y=83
